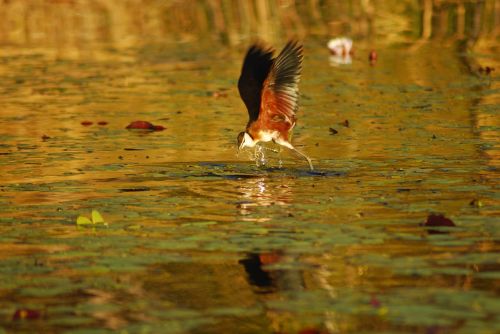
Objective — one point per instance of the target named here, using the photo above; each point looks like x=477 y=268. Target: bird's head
x=245 y=140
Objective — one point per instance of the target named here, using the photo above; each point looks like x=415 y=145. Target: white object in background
x=341 y=46
x=341 y=49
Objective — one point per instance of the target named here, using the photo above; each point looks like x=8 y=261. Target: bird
x=269 y=89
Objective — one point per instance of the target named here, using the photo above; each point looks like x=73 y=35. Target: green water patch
x=405 y=306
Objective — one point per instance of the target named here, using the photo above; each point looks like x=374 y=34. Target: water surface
x=200 y=240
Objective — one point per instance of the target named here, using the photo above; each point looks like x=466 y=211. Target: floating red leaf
x=144 y=125
x=26 y=314
x=437 y=220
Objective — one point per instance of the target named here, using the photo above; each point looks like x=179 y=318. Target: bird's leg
x=305 y=156
x=290 y=146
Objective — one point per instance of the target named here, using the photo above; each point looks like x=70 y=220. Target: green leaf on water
x=81 y=220
x=96 y=217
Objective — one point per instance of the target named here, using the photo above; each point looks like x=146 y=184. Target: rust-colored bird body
x=269 y=89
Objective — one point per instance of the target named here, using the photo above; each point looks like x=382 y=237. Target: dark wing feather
x=281 y=90
x=256 y=67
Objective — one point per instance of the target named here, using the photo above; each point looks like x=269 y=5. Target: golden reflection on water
x=260 y=192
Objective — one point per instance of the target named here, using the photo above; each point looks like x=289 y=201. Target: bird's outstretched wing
x=254 y=72
x=280 y=93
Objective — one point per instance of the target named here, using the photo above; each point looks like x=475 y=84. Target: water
x=200 y=240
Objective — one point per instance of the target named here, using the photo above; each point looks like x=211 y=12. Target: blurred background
x=77 y=28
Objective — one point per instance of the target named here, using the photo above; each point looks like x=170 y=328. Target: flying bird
x=269 y=87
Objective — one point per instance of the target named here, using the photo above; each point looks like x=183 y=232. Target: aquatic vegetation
x=396 y=230
x=144 y=125
x=96 y=219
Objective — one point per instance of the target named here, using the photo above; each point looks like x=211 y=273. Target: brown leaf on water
x=87 y=123
x=26 y=313
x=345 y=123
x=437 y=220
x=144 y=125
x=333 y=131
x=158 y=128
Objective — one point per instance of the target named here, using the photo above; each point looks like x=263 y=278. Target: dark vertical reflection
x=256 y=275
x=267 y=281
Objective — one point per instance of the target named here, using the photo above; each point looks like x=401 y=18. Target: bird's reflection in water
x=266 y=281
x=274 y=284
x=262 y=192
x=257 y=195
x=272 y=273
x=256 y=275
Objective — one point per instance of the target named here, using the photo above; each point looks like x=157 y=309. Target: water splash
x=259 y=156
x=261 y=159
